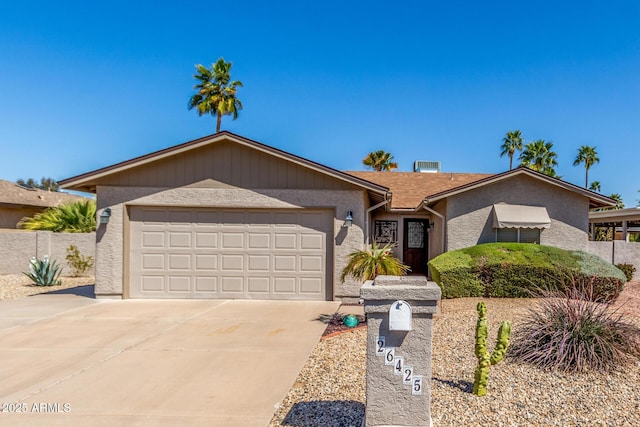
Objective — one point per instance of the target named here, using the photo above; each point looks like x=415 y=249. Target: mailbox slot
x=400 y=316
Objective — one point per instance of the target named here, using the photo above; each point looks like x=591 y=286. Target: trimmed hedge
x=520 y=269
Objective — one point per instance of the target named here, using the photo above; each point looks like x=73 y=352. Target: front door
x=415 y=245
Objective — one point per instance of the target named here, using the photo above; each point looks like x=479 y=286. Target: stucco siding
x=9 y=217
x=470 y=218
x=111 y=251
x=618 y=252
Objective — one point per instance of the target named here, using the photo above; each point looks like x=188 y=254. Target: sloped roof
x=595 y=200
x=409 y=189
x=14 y=195
x=86 y=181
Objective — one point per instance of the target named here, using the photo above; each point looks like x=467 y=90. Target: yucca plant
x=44 y=272
x=571 y=330
x=374 y=261
x=72 y=217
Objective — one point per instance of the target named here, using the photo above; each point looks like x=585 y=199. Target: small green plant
x=486 y=359
x=79 y=264
x=573 y=331
x=44 y=272
x=628 y=270
x=374 y=261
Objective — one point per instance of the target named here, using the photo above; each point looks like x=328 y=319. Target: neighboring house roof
x=17 y=196
x=616 y=216
x=409 y=189
x=86 y=181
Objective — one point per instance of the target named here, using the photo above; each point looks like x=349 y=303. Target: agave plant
x=374 y=261
x=73 y=217
x=44 y=272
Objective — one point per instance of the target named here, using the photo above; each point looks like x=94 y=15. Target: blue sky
x=87 y=84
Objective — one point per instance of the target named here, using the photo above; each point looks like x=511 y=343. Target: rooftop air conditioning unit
x=425 y=166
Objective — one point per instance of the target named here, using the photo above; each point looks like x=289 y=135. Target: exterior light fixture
x=105 y=215
x=348 y=220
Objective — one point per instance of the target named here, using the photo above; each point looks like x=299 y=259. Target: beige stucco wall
x=9 y=217
x=112 y=246
x=17 y=247
x=470 y=217
x=618 y=252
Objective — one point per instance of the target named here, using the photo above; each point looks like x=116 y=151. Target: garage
x=224 y=216
x=230 y=253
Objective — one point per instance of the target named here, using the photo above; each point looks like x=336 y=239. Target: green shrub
x=517 y=269
x=79 y=264
x=628 y=270
x=44 y=272
x=573 y=330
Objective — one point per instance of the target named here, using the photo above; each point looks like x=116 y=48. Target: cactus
x=486 y=359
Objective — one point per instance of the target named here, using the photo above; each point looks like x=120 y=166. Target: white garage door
x=204 y=253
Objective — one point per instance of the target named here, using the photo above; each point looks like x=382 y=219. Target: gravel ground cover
x=13 y=286
x=330 y=390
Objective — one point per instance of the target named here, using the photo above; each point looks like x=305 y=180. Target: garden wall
x=618 y=252
x=17 y=247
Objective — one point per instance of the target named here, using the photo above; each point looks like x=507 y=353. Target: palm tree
x=618 y=199
x=215 y=92
x=595 y=186
x=380 y=161
x=589 y=157
x=374 y=261
x=510 y=143
x=71 y=217
x=537 y=155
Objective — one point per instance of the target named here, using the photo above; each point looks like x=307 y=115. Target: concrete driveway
x=70 y=360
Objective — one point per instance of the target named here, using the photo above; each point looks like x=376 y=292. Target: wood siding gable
x=224 y=164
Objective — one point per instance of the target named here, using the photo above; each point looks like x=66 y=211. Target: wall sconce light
x=105 y=215
x=348 y=220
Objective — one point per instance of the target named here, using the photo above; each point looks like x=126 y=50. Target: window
x=386 y=231
x=521 y=235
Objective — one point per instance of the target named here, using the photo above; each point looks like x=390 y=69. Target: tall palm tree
x=380 y=161
x=538 y=155
x=510 y=143
x=589 y=157
x=215 y=92
x=595 y=186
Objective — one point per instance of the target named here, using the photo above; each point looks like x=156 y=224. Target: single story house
x=227 y=217
x=18 y=201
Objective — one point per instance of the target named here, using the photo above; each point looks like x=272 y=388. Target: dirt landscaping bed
x=13 y=286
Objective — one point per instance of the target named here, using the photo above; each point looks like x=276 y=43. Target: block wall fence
x=17 y=247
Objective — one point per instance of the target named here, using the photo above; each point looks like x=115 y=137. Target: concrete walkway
x=70 y=360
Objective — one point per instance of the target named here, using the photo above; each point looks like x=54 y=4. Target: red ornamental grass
x=572 y=331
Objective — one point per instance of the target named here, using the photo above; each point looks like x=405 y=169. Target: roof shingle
x=411 y=188
x=12 y=194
